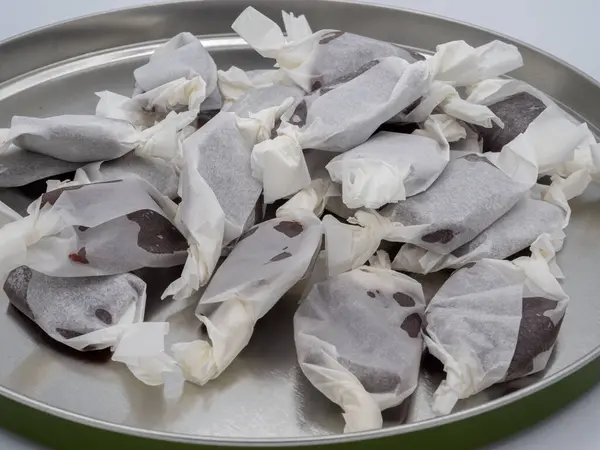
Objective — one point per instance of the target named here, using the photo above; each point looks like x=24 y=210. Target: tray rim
x=186 y=438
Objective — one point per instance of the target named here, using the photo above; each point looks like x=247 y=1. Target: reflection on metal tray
x=263 y=395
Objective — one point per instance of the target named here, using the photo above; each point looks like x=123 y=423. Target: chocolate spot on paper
x=404 y=299
x=290 y=228
x=79 y=257
x=537 y=335
x=68 y=334
x=439 y=236
x=157 y=234
x=371 y=294
x=104 y=316
x=412 y=325
x=328 y=37
x=281 y=256
x=16 y=286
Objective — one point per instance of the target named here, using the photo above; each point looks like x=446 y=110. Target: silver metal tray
x=262 y=399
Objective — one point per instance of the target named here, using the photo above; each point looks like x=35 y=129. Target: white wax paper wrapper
x=545 y=211
x=202 y=221
x=585 y=157
x=336 y=120
x=390 y=167
x=142 y=110
x=183 y=56
x=95 y=229
x=469 y=196
x=83 y=139
x=312 y=60
x=94 y=313
x=358 y=340
x=495 y=321
x=235 y=82
x=161 y=174
x=265 y=263
x=533 y=124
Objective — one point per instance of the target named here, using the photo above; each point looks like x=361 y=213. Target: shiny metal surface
x=262 y=397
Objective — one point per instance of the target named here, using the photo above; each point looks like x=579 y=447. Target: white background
x=567 y=29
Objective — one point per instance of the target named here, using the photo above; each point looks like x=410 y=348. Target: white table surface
x=565 y=29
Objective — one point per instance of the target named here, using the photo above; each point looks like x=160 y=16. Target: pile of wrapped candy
x=355 y=143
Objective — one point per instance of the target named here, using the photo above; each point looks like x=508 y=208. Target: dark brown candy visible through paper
x=516 y=112
x=469 y=196
x=412 y=325
x=290 y=228
x=537 y=335
x=66 y=308
x=357 y=319
x=15 y=288
x=404 y=299
x=157 y=235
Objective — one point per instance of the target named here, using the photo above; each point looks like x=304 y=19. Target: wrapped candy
x=161 y=174
x=337 y=120
x=183 y=56
x=358 y=340
x=95 y=229
x=468 y=197
x=266 y=262
x=83 y=139
x=457 y=64
x=220 y=198
x=532 y=123
x=221 y=150
x=94 y=313
x=545 y=211
x=312 y=60
x=492 y=322
x=328 y=57
x=390 y=166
